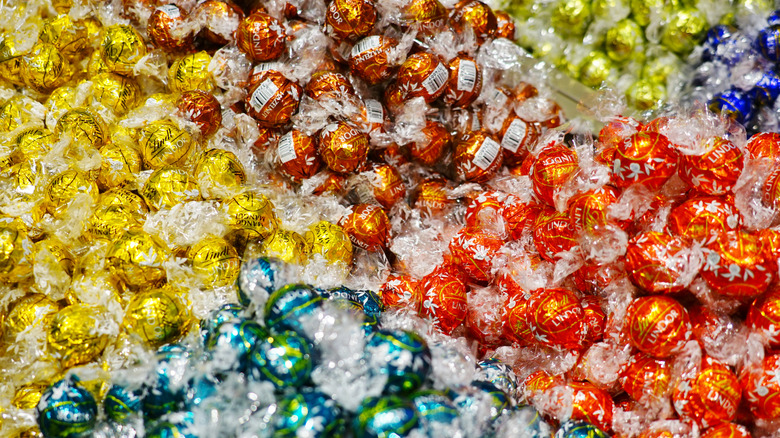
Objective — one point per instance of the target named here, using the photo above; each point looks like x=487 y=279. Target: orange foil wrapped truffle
x=658 y=325
x=473 y=250
x=422 y=75
x=201 y=108
x=261 y=36
x=476 y=15
x=658 y=262
x=643 y=158
x=554 y=166
x=400 y=290
x=350 y=19
x=465 y=82
x=368 y=58
x=556 y=318
x=163 y=32
x=553 y=233
x=764 y=145
x=273 y=100
x=738 y=265
x=645 y=378
x=326 y=84
x=760 y=388
x=388 y=187
x=342 y=147
x=431 y=196
x=298 y=155
x=708 y=397
x=589 y=210
x=764 y=317
x=704 y=218
x=477 y=157
x=437 y=140
x=367 y=227
x=430 y=15
x=716 y=171
x=517 y=136
x=516 y=319
x=221 y=19
x=505 y=25
x=444 y=298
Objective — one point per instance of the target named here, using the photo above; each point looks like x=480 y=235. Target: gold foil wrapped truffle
x=158 y=316
x=215 y=262
x=74 y=334
x=331 y=241
x=169 y=186
x=137 y=259
x=122 y=48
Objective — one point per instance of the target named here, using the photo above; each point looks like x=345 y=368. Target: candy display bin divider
x=576 y=100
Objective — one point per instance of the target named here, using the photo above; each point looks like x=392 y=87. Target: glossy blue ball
x=579 y=429
x=774 y=18
x=309 y=413
x=385 y=417
x=766 y=90
x=66 y=410
x=350 y=300
x=717 y=36
x=499 y=374
x=201 y=388
x=230 y=346
x=259 y=278
x=403 y=356
x=288 y=305
x=165 y=393
x=226 y=312
x=733 y=103
x=283 y=359
x=768 y=43
x=473 y=395
x=120 y=403
x=368 y=301
x=434 y=406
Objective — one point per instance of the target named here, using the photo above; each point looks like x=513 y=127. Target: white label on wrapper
x=467 y=75
x=263 y=93
x=515 y=134
x=487 y=153
x=436 y=80
x=265 y=66
x=366 y=44
x=374 y=111
x=286 y=148
x=170 y=10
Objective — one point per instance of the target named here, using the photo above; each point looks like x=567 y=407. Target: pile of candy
x=300 y=362
x=636 y=47
x=735 y=72
x=257 y=171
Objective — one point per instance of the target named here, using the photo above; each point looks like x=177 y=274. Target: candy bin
x=356 y=218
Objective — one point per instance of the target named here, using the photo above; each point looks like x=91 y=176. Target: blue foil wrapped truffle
x=66 y=410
